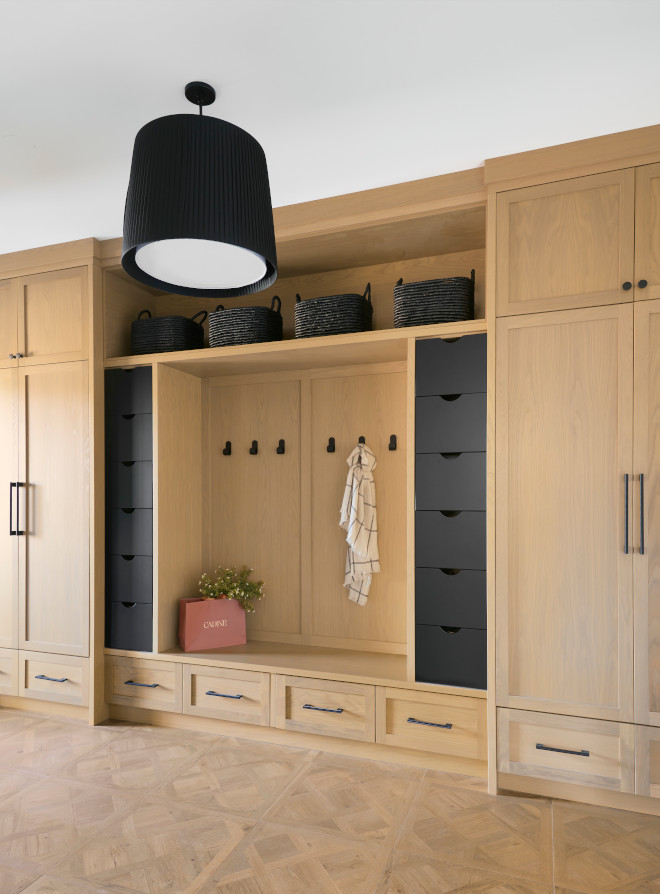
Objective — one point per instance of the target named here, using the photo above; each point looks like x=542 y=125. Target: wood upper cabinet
x=566 y=244
x=647 y=232
x=646 y=541
x=52 y=312
x=8 y=323
x=563 y=578
x=8 y=478
x=54 y=551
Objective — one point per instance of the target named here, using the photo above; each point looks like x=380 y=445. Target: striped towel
x=358 y=518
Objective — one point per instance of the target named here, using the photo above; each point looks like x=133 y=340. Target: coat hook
x=227 y=450
x=331 y=445
x=392 y=442
x=254 y=449
x=280 y=447
x=361 y=440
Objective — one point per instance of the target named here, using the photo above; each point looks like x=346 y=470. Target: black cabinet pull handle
x=428 y=723
x=642 y=284
x=147 y=685
x=254 y=449
x=222 y=694
x=641 y=515
x=227 y=449
x=280 y=447
x=582 y=753
x=627 y=286
x=19 y=533
x=12 y=485
x=329 y=710
x=626 y=516
x=51 y=679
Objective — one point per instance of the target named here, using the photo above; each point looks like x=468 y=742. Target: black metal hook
x=254 y=449
x=331 y=445
x=227 y=449
x=280 y=447
x=361 y=440
x=392 y=442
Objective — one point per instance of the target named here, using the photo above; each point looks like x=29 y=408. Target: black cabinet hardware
x=428 y=723
x=627 y=286
x=254 y=449
x=626 y=515
x=392 y=445
x=146 y=685
x=642 y=284
x=12 y=356
x=12 y=485
x=641 y=515
x=51 y=679
x=582 y=753
x=280 y=447
x=328 y=710
x=361 y=440
x=331 y=445
x=222 y=694
x=227 y=449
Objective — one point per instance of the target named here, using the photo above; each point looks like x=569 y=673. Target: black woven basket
x=245 y=325
x=333 y=314
x=155 y=335
x=434 y=301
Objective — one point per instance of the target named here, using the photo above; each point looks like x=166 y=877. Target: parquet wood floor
x=122 y=809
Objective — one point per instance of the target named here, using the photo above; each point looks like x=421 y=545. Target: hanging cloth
x=358 y=519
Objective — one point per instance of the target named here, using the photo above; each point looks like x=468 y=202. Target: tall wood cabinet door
x=53 y=316
x=563 y=577
x=647 y=232
x=566 y=244
x=647 y=517
x=8 y=541
x=54 y=552
x=8 y=323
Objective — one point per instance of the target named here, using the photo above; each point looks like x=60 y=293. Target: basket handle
x=277 y=309
x=298 y=298
x=400 y=282
x=367 y=293
x=145 y=311
x=219 y=307
x=194 y=319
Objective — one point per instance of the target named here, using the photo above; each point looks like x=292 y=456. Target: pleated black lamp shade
x=198 y=218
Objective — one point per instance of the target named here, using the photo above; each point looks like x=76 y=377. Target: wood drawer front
x=8 y=672
x=445 y=724
x=325 y=707
x=598 y=753
x=54 y=678
x=242 y=696
x=647 y=761
x=142 y=683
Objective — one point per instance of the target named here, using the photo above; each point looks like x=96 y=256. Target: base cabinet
x=647 y=761
x=54 y=678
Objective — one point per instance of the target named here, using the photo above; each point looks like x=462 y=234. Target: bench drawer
x=325 y=707
x=597 y=753
x=238 y=695
x=143 y=683
x=445 y=724
x=54 y=678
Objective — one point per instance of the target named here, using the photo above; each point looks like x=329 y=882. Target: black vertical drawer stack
x=128 y=509
x=450 y=511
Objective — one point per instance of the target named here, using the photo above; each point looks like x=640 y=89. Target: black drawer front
x=450 y=367
x=455 y=541
x=447 y=426
x=450 y=482
x=129 y=578
x=129 y=626
x=129 y=533
x=129 y=438
x=129 y=485
x=128 y=391
x=450 y=597
x=453 y=658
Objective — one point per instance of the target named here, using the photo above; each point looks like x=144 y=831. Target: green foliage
x=228 y=583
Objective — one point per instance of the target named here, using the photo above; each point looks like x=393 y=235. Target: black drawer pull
x=428 y=723
x=222 y=694
x=51 y=679
x=329 y=710
x=641 y=515
x=582 y=753
x=133 y=683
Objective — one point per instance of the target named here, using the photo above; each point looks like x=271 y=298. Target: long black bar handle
x=12 y=485
x=51 y=679
x=428 y=723
x=222 y=694
x=626 y=519
x=146 y=685
x=19 y=533
x=641 y=515
x=329 y=710
x=583 y=753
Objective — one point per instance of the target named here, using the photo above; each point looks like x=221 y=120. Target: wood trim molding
x=50 y=257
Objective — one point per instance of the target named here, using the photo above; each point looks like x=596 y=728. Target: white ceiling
x=342 y=94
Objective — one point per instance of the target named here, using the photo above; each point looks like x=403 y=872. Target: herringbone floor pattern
x=129 y=809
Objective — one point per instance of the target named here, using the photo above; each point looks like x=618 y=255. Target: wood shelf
x=380 y=346
x=376 y=668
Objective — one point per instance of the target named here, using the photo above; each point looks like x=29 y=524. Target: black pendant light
x=198 y=218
